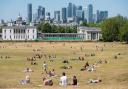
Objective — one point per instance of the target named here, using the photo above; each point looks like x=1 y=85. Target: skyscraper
x=41 y=13
x=79 y=8
x=74 y=10
x=70 y=10
x=64 y=15
x=101 y=15
x=90 y=13
x=29 y=11
x=57 y=16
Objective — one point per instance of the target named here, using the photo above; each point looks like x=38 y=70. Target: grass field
x=114 y=74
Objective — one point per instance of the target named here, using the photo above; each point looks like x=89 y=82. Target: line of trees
x=115 y=29
x=47 y=28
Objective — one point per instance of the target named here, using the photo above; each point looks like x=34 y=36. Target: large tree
x=124 y=33
x=111 y=28
x=47 y=28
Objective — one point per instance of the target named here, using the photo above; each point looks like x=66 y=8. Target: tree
x=47 y=28
x=124 y=33
x=84 y=24
x=111 y=28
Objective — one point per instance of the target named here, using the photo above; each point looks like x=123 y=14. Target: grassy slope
x=114 y=74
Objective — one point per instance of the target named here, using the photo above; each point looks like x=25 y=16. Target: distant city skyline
x=10 y=9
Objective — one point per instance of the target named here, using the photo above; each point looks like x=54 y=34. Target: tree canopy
x=112 y=28
x=47 y=28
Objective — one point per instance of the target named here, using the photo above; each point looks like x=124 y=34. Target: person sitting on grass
x=47 y=82
x=63 y=80
x=74 y=80
x=26 y=81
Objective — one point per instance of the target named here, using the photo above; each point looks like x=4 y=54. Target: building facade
x=18 y=31
x=91 y=34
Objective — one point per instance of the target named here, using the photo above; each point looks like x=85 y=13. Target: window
x=4 y=31
x=33 y=31
x=10 y=31
x=33 y=36
x=28 y=31
x=5 y=37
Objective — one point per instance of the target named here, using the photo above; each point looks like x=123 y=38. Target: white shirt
x=63 y=81
x=45 y=66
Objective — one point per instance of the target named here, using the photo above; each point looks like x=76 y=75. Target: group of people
x=62 y=82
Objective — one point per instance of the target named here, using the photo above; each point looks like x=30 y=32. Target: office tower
x=97 y=16
x=70 y=10
x=35 y=17
x=57 y=16
x=90 y=13
x=41 y=13
x=74 y=10
x=85 y=14
x=79 y=8
x=79 y=14
x=101 y=16
x=29 y=11
x=64 y=15
x=94 y=18
x=48 y=16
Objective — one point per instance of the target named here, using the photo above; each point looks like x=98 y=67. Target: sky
x=10 y=9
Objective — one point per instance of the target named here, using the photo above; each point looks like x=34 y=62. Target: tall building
x=48 y=16
x=101 y=15
x=70 y=10
x=90 y=13
x=97 y=16
x=57 y=16
x=29 y=11
x=79 y=14
x=41 y=13
x=74 y=10
x=64 y=15
x=85 y=14
x=79 y=8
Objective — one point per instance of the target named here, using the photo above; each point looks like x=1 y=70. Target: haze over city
x=11 y=8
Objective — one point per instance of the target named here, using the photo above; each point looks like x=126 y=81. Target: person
x=45 y=66
x=53 y=72
x=47 y=82
x=28 y=70
x=63 y=80
x=27 y=79
x=74 y=80
x=95 y=81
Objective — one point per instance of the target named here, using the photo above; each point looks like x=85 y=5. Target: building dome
x=19 y=18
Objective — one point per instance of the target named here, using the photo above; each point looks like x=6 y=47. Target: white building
x=19 y=32
x=90 y=34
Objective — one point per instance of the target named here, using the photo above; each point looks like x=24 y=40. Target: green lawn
x=114 y=74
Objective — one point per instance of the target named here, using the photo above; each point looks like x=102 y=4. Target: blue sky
x=9 y=9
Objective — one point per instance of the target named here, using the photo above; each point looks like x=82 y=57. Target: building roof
x=89 y=29
x=17 y=27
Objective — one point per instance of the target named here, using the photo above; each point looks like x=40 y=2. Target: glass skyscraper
x=70 y=10
x=57 y=16
x=41 y=13
x=90 y=13
x=64 y=15
x=29 y=11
